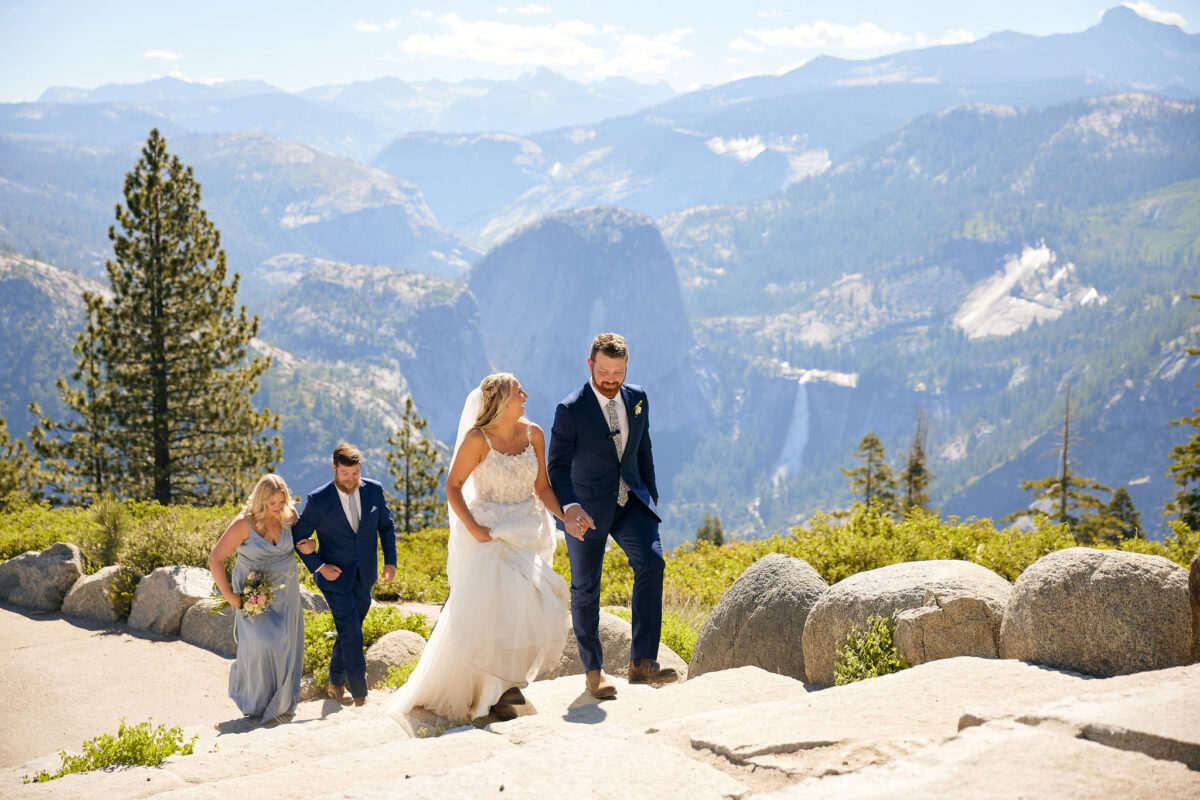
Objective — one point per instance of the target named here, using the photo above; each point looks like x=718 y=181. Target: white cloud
x=162 y=55
x=560 y=44
x=766 y=14
x=957 y=36
x=746 y=46
x=820 y=34
x=367 y=27
x=533 y=8
x=643 y=55
x=422 y=14
x=1146 y=9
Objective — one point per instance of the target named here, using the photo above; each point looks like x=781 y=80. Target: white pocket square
x=372 y=511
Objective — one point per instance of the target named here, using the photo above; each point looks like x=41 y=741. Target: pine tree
x=165 y=411
x=1124 y=520
x=1071 y=494
x=711 y=531
x=417 y=467
x=19 y=475
x=873 y=480
x=1185 y=467
x=915 y=477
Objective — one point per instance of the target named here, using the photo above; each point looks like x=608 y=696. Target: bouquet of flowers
x=257 y=593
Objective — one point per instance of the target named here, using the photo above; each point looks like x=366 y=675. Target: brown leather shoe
x=513 y=697
x=337 y=693
x=599 y=686
x=647 y=670
x=360 y=701
x=503 y=712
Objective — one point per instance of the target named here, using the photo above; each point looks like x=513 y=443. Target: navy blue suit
x=354 y=552
x=583 y=468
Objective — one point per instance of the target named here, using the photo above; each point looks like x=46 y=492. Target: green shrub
x=26 y=526
x=320 y=634
x=678 y=632
x=166 y=537
x=138 y=745
x=868 y=653
x=397 y=676
x=124 y=587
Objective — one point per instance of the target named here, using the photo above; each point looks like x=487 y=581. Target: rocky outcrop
x=1194 y=602
x=1101 y=612
x=41 y=580
x=212 y=631
x=92 y=595
x=165 y=594
x=960 y=606
x=391 y=650
x=760 y=619
x=313 y=601
x=616 y=637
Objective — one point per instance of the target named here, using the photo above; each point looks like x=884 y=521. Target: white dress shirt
x=622 y=413
x=347 y=499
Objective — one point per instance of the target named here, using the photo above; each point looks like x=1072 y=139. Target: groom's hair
x=346 y=455
x=611 y=344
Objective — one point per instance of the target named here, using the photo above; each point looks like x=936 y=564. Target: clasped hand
x=578 y=522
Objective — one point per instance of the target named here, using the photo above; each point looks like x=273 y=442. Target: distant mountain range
x=797 y=259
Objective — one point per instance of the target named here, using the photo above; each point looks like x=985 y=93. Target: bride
x=505 y=617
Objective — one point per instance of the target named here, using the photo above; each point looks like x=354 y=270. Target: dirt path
x=64 y=681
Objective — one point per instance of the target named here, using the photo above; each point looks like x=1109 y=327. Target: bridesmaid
x=264 y=681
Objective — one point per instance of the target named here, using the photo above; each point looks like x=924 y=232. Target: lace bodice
x=504 y=478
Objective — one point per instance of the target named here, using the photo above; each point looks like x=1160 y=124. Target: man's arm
x=562 y=451
x=303 y=529
x=645 y=454
x=387 y=537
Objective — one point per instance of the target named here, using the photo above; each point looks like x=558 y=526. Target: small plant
x=677 y=633
x=449 y=725
x=319 y=635
x=137 y=745
x=397 y=676
x=122 y=590
x=868 y=653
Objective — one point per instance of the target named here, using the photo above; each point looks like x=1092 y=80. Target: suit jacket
x=582 y=464
x=353 y=551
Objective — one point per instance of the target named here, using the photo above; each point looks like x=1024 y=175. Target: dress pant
x=635 y=530
x=347 y=664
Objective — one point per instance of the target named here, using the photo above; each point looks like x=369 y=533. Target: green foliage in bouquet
x=136 y=745
x=868 y=653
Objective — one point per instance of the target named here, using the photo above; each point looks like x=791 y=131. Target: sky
x=300 y=44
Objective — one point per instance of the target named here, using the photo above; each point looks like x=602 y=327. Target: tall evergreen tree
x=417 y=467
x=711 y=531
x=1185 y=467
x=1124 y=521
x=165 y=411
x=18 y=470
x=1071 y=495
x=915 y=478
x=872 y=481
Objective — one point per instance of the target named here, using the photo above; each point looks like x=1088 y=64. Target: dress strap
x=487 y=439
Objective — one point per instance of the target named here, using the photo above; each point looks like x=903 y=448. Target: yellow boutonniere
x=637 y=409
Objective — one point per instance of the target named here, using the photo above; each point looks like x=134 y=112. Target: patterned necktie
x=353 y=513
x=614 y=430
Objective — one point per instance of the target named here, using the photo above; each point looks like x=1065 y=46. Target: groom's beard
x=609 y=390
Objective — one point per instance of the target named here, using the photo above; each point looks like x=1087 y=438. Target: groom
x=349 y=516
x=602 y=470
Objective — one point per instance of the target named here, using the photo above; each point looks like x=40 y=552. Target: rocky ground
x=956 y=727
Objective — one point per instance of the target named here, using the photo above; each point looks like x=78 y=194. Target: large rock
x=759 y=621
x=1194 y=601
x=391 y=650
x=313 y=601
x=41 y=580
x=964 y=604
x=164 y=595
x=616 y=638
x=211 y=631
x=92 y=595
x=1101 y=612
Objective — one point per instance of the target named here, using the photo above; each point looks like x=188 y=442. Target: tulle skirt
x=505 y=618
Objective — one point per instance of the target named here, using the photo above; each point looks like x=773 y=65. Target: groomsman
x=349 y=515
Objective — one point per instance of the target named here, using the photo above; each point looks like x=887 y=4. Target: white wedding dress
x=506 y=615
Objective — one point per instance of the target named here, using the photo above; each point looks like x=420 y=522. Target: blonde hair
x=497 y=390
x=268 y=485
